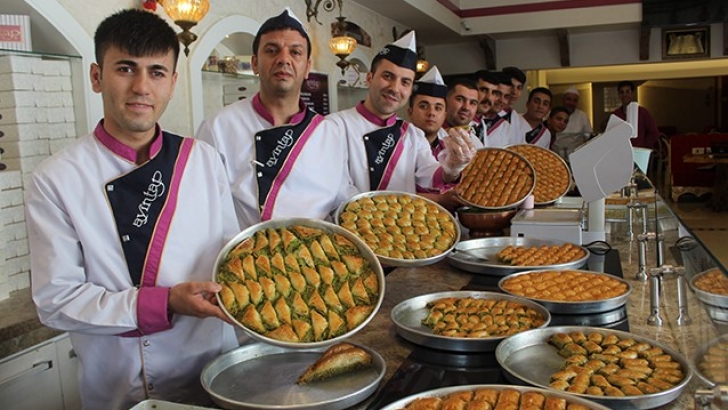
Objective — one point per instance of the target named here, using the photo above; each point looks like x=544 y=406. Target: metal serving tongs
x=470 y=254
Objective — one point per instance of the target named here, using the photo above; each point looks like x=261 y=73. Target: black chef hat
x=282 y=21
x=431 y=84
x=402 y=52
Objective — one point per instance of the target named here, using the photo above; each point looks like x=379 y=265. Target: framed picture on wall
x=690 y=42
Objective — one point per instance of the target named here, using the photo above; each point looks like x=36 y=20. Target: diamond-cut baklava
x=400 y=226
x=553 y=177
x=298 y=284
x=714 y=282
x=496 y=178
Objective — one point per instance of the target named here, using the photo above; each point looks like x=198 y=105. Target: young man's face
x=516 y=90
x=486 y=96
x=538 y=106
x=135 y=91
x=281 y=63
x=462 y=103
x=427 y=113
x=390 y=87
x=558 y=122
x=626 y=94
x=503 y=100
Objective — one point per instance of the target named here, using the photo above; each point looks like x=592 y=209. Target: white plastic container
x=550 y=224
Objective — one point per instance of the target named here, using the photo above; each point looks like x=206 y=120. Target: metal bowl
x=575 y=307
x=481 y=223
x=698 y=358
x=313 y=223
x=388 y=261
x=528 y=358
x=444 y=391
x=407 y=317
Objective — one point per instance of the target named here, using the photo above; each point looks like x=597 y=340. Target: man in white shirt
x=577 y=131
x=537 y=107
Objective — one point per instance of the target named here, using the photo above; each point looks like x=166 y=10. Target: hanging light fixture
x=186 y=14
x=341 y=44
x=422 y=65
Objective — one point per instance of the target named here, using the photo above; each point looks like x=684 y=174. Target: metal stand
x=656 y=274
x=705 y=398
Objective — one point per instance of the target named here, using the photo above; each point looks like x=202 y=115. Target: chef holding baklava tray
x=386 y=152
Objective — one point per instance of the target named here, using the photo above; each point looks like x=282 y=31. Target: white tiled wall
x=36 y=105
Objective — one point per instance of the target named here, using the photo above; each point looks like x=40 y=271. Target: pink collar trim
x=124 y=150
x=361 y=109
x=263 y=112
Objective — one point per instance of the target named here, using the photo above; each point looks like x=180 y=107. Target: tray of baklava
x=711 y=362
x=466 y=321
x=504 y=255
x=497 y=178
x=618 y=369
x=299 y=282
x=569 y=291
x=402 y=229
x=553 y=176
x=493 y=396
x=264 y=376
x=711 y=287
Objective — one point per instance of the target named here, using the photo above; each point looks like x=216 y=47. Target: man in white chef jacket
x=385 y=152
x=124 y=227
x=279 y=161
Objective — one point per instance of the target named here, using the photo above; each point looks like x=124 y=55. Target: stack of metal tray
x=528 y=358
x=261 y=376
x=479 y=255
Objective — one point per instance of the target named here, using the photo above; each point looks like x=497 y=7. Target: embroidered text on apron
x=383 y=151
x=143 y=202
x=276 y=150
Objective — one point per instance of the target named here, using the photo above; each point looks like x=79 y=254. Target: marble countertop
x=20 y=328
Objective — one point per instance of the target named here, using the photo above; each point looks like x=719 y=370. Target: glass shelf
x=5 y=52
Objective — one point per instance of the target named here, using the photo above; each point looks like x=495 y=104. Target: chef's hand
x=196 y=299
x=460 y=151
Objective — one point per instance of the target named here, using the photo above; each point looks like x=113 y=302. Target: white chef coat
x=542 y=139
x=499 y=134
x=578 y=124
x=416 y=165
x=81 y=283
x=313 y=188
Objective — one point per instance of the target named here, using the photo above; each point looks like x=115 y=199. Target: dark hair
x=463 y=81
x=558 y=109
x=137 y=32
x=487 y=76
x=279 y=26
x=626 y=83
x=516 y=73
x=541 y=90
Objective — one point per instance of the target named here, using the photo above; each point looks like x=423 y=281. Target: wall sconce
x=186 y=14
x=340 y=44
x=422 y=65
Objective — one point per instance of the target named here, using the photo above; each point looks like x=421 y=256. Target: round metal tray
x=407 y=317
x=504 y=206
x=698 y=358
x=261 y=376
x=444 y=391
x=478 y=255
x=387 y=261
x=580 y=307
x=528 y=358
x=328 y=227
x=519 y=149
x=709 y=298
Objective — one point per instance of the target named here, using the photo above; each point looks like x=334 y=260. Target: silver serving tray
x=563 y=164
x=712 y=299
x=407 y=317
x=165 y=405
x=698 y=358
x=261 y=376
x=441 y=392
x=513 y=204
x=574 y=308
x=488 y=263
x=365 y=251
x=528 y=358
x=387 y=261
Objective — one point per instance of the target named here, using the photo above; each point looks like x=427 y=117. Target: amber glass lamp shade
x=342 y=46
x=422 y=65
x=186 y=14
